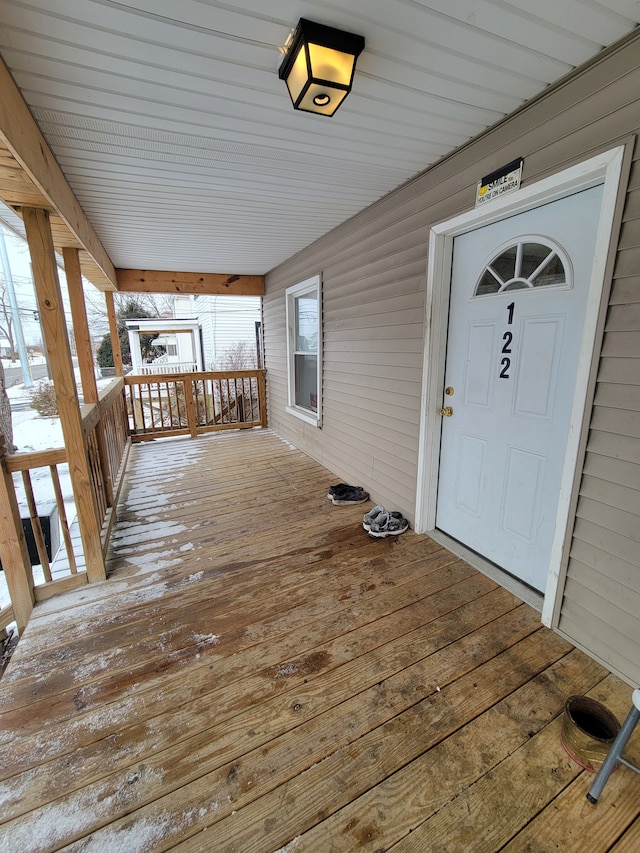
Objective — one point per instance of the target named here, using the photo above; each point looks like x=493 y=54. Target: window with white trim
x=304 y=349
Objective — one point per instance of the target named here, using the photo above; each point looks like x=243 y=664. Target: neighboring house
x=207 y=331
x=477 y=364
x=5 y=348
x=226 y=322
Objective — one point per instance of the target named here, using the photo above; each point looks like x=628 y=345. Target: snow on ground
x=32 y=433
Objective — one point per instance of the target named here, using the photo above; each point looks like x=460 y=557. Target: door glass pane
x=533 y=254
x=552 y=273
x=487 y=284
x=505 y=265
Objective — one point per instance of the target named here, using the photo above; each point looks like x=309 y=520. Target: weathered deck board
x=259 y=674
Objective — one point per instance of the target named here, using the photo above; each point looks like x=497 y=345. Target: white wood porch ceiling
x=172 y=127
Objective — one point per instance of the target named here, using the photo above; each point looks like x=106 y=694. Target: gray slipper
x=388 y=524
x=374 y=515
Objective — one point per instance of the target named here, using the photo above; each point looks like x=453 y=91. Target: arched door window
x=527 y=264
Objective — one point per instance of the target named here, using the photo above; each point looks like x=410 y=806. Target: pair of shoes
x=343 y=494
x=380 y=523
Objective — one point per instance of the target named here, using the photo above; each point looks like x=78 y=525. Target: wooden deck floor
x=258 y=674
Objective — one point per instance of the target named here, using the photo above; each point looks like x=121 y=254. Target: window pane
x=553 y=273
x=306 y=308
x=487 y=284
x=306 y=382
x=505 y=265
x=533 y=254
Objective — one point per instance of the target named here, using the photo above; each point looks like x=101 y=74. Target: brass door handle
x=446 y=411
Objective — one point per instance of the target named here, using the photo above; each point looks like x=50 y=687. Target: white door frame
x=604 y=169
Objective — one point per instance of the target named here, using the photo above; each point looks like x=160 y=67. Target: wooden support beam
x=21 y=135
x=47 y=286
x=80 y=324
x=113 y=331
x=13 y=547
x=211 y=284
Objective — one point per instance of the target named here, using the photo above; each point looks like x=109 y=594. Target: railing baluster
x=140 y=405
x=169 y=406
x=217 y=401
x=211 y=409
x=66 y=535
x=36 y=527
x=150 y=404
x=190 y=407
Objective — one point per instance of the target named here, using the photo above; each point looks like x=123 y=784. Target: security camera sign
x=498 y=183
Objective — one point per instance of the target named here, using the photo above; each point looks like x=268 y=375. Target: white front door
x=519 y=291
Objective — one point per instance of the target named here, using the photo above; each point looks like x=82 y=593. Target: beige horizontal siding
x=620 y=371
x=374 y=284
x=621 y=471
x=598 y=630
x=611 y=517
x=596 y=565
x=624 y=318
x=609 y=541
x=618 y=395
x=613 y=446
x=619 y=422
x=625 y=291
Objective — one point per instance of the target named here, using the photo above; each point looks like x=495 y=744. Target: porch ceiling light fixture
x=319 y=65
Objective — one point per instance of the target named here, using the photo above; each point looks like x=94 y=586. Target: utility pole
x=27 y=378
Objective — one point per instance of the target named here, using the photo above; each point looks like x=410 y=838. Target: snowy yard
x=32 y=433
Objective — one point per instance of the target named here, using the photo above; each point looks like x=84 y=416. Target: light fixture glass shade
x=319 y=66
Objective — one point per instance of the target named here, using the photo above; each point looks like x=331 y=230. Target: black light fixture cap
x=323 y=35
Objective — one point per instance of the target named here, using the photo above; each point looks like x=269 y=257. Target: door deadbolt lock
x=449 y=390
x=446 y=411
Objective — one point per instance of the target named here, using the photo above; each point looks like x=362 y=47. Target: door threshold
x=526 y=593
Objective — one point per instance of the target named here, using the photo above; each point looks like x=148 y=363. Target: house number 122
x=507 y=338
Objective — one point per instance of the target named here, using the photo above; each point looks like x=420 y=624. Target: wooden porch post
x=113 y=331
x=13 y=547
x=73 y=274
x=47 y=287
x=85 y=356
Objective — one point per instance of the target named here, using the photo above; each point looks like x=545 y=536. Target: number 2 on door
x=507 y=338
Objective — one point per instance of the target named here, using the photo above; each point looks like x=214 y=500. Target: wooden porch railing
x=107 y=435
x=107 y=441
x=195 y=403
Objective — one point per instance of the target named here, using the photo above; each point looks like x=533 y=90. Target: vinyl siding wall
x=374 y=285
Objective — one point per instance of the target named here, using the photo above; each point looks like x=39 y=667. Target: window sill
x=304 y=415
